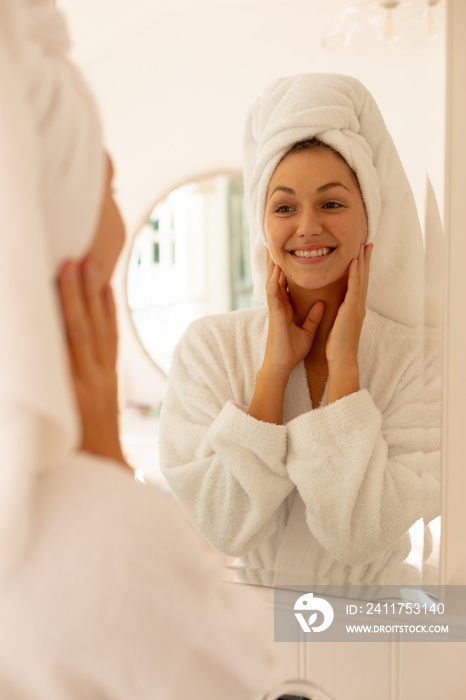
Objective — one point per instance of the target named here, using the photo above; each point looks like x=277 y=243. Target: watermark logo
x=375 y=613
x=311 y=603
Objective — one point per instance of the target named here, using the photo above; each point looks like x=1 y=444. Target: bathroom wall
x=174 y=79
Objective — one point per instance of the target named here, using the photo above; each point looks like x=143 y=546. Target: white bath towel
x=339 y=110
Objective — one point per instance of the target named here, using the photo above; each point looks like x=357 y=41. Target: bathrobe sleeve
x=367 y=472
x=227 y=469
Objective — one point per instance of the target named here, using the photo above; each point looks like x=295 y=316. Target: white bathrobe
x=328 y=496
x=105 y=590
x=118 y=598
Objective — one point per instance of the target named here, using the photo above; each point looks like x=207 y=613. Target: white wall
x=174 y=79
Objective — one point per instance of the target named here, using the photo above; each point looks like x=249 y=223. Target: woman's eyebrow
x=281 y=188
x=329 y=185
x=322 y=188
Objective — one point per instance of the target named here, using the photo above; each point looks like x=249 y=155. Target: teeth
x=312 y=253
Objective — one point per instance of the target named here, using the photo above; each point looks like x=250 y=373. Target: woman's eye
x=332 y=205
x=283 y=209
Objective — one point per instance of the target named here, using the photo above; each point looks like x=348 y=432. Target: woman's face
x=315 y=219
x=110 y=234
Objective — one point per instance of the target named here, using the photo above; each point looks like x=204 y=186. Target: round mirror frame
x=230 y=173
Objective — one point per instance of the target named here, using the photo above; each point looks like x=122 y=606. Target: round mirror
x=189 y=258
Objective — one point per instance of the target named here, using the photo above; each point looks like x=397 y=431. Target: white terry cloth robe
x=327 y=497
x=105 y=590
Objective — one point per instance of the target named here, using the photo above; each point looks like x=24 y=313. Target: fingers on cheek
x=273 y=286
x=100 y=308
x=69 y=289
x=67 y=279
x=77 y=326
x=80 y=316
x=92 y=291
x=89 y=277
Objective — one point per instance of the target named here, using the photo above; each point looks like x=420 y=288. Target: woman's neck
x=304 y=299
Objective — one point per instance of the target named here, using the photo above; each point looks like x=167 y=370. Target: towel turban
x=52 y=175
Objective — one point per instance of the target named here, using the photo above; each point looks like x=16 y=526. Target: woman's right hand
x=287 y=342
x=287 y=345
x=91 y=334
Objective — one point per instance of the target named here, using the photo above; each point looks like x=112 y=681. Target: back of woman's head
x=52 y=171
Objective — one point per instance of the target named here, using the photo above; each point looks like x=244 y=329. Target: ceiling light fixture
x=372 y=24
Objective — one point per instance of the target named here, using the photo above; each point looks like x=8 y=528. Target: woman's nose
x=310 y=223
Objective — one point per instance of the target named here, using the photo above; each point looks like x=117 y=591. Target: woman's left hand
x=91 y=333
x=343 y=341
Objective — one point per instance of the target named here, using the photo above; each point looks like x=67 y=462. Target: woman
x=105 y=591
x=303 y=436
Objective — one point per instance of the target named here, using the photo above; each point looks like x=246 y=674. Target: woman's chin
x=314 y=283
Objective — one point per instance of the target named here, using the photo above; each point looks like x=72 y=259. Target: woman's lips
x=311 y=256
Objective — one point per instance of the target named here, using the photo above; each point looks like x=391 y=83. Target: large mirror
x=187 y=77
x=190 y=257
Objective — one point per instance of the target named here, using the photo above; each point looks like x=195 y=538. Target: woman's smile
x=312 y=255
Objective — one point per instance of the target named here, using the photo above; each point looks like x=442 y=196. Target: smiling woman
x=310 y=426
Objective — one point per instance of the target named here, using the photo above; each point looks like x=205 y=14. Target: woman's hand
x=287 y=342
x=343 y=340
x=287 y=345
x=91 y=333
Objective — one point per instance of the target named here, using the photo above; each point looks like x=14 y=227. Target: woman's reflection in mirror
x=302 y=436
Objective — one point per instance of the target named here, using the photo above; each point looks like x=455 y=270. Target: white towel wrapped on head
x=49 y=138
x=339 y=111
